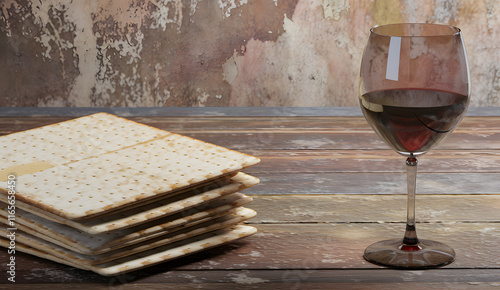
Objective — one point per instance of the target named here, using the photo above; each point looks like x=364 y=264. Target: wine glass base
x=428 y=254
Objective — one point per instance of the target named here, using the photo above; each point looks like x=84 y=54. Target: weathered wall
x=216 y=52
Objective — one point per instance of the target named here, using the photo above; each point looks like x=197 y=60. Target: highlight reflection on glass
x=414 y=90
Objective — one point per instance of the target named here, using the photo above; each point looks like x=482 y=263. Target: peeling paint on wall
x=446 y=11
x=216 y=53
x=166 y=12
x=333 y=9
x=297 y=67
x=228 y=5
x=128 y=53
x=410 y=10
x=230 y=69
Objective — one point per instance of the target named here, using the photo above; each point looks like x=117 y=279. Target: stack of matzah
x=110 y=195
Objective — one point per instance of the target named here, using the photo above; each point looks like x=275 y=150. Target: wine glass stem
x=410 y=237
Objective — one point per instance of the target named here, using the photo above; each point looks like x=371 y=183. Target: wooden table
x=329 y=187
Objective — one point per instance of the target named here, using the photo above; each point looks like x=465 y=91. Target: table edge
x=207 y=111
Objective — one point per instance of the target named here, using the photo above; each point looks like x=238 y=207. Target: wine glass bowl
x=412 y=121
x=414 y=89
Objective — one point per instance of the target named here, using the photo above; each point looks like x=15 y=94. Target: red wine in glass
x=411 y=121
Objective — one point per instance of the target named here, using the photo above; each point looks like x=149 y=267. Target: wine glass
x=414 y=89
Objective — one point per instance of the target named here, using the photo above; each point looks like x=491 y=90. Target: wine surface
x=411 y=121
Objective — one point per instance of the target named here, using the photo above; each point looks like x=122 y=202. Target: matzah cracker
x=85 y=243
x=239 y=215
x=150 y=257
x=109 y=181
x=38 y=253
x=113 y=178
x=148 y=212
x=68 y=141
x=236 y=216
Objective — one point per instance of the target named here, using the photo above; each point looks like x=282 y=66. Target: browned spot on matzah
x=206 y=245
x=110 y=226
x=150 y=215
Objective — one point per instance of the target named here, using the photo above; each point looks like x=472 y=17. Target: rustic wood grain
x=299 y=279
x=374 y=208
x=289 y=161
x=329 y=187
x=341 y=246
x=376 y=183
x=305 y=246
x=290 y=133
x=273 y=123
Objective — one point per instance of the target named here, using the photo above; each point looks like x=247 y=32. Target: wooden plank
x=375 y=183
x=334 y=141
x=333 y=124
x=283 y=124
x=341 y=246
x=274 y=161
x=319 y=277
x=270 y=124
x=290 y=133
x=292 y=140
x=229 y=124
x=303 y=246
x=297 y=279
x=374 y=208
x=15 y=124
